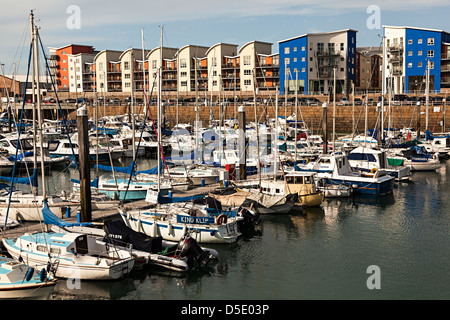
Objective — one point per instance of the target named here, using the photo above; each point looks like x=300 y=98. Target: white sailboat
x=19 y=281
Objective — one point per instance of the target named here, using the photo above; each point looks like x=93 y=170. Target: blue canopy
x=168 y=199
x=154 y=170
x=50 y=218
x=94 y=183
x=32 y=180
x=126 y=170
x=21 y=156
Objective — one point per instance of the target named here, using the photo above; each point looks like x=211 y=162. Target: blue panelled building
x=313 y=63
x=408 y=52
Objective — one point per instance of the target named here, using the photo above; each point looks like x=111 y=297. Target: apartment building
x=220 y=72
x=167 y=58
x=408 y=52
x=134 y=68
x=59 y=63
x=192 y=58
x=368 y=69
x=252 y=60
x=108 y=71
x=81 y=72
x=311 y=62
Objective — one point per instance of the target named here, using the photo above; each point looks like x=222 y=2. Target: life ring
x=374 y=170
x=222 y=219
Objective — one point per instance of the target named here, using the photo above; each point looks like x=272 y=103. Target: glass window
x=286 y=50
x=430 y=41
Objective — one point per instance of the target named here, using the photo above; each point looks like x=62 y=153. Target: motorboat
x=371 y=160
x=335 y=169
x=304 y=184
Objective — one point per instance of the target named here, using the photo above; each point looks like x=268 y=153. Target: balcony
x=328 y=66
x=397 y=71
x=396 y=48
x=445 y=68
x=325 y=75
x=328 y=53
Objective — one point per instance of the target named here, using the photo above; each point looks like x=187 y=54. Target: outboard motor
x=250 y=220
x=188 y=247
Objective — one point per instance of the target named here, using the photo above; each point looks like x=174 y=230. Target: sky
x=118 y=24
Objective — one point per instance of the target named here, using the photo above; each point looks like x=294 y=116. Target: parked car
x=311 y=101
x=49 y=100
x=114 y=101
x=358 y=101
x=70 y=101
x=344 y=101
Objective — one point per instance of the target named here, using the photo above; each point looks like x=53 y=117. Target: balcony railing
x=327 y=53
x=396 y=47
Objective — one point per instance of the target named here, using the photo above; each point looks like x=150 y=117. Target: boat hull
x=76 y=267
x=173 y=231
x=311 y=200
x=27 y=291
x=32 y=212
x=364 y=187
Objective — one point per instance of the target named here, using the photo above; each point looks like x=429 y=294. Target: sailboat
x=18 y=281
x=21 y=205
x=72 y=255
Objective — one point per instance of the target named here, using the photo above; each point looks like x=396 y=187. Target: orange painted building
x=60 y=57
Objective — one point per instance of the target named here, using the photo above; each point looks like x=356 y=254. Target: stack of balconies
x=325 y=69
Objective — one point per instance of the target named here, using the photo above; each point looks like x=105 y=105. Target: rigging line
x=18 y=136
x=143 y=126
x=59 y=105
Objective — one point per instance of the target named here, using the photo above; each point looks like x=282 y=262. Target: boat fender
x=170 y=228
x=20 y=259
x=49 y=266
x=30 y=273
x=155 y=229
x=374 y=170
x=43 y=275
x=184 y=230
x=212 y=233
x=222 y=219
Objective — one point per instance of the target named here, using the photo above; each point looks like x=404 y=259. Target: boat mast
x=33 y=92
x=276 y=137
x=258 y=165
x=427 y=94
x=36 y=65
x=296 y=115
x=159 y=111
x=133 y=126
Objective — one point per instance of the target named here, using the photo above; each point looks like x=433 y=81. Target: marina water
x=390 y=247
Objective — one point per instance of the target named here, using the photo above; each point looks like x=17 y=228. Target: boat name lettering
x=195 y=220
